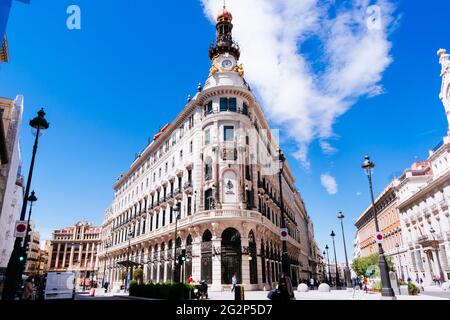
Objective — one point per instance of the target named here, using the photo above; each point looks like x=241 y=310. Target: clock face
x=227 y=63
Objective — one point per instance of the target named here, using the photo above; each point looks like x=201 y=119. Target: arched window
x=206 y=257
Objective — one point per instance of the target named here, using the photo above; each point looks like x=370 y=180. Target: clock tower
x=444 y=95
x=224 y=55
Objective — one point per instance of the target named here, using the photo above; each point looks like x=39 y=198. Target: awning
x=129 y=263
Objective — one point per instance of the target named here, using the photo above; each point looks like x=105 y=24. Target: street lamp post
x=329 y=271
x=400 y=261
x=130 y=234
x=32 y=198
x=386 y=291
x=13 y=271
x=347 y=268
x=335 y=259
x=323 y=269
x=285 y=262
x=436 y=243
x=177 y=210
x=104 y=267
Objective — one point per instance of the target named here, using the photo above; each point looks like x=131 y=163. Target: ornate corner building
x=218 y=163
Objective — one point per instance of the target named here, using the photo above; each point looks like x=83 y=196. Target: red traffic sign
x=284 y=234
x=379 y=237
x=21 y=229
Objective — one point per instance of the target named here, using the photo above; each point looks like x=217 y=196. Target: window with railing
x=228 y=104
x=208 y=108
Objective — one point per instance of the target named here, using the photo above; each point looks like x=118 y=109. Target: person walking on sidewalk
x=233 y=282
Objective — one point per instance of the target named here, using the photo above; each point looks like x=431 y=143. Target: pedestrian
x=233 y=282
x=365 y=283
x=285 y=288
x=28 y=289
x=106 y=286
x=189 y=279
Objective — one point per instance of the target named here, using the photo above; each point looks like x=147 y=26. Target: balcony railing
x=187 y=184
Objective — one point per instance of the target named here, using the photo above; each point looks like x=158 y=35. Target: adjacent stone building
x=75 y=249
x=11 y=180
x=417 y=205
x=217 y=160
x=386 y=205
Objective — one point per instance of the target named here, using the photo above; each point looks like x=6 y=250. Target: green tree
x=138 y=275
x=368 y=266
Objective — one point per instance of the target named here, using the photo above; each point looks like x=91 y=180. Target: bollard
x=239 y=292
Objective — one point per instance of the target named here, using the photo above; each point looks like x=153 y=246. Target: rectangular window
x=232 y=105
x=163 y=218
x=181 y=154
x=207 y=136
x=189 y=202
x=209 y=108
x=191 y=147
x=223 y=104
x=228 y=133
x=245 y=109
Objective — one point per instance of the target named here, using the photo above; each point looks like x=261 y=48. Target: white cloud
x=329 y=183
x=352 y=55
x=358 y=193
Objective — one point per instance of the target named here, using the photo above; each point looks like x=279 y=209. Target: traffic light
x=182 y=257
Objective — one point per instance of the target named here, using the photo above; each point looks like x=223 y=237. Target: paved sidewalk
x=316 y=295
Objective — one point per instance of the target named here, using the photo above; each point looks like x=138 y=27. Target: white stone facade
x=11 y=181
x=218 y=159
x=424 y=200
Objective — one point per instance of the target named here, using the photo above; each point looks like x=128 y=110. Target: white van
x=59 y=285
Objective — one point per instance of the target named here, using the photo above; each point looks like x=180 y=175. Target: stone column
x=245 y=265
x=64 y=256
x=261 y=285
x=57 y=255
x=92 y=255
x=216 y=266
x=145 y=267
x=196 y=258
x=72 y=250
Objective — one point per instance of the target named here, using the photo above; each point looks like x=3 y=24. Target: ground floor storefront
x=213 y=252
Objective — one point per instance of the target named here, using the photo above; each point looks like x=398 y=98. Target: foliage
x=401 y=283
x=168 y=290
x=138 y=275
x=368 y=266
x=412 y=288
x=378 y=285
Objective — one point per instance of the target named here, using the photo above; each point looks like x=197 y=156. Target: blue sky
x=108 y=87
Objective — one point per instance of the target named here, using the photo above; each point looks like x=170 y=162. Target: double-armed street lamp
x=436 y=243
x=386 y=291
x=330 y=281
x=15 y=265
x=347 y=274
x=335 y=260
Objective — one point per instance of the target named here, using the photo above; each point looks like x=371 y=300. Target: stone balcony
x=187 y=187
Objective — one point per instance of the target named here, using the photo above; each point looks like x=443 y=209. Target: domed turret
x=224 y=14
x=224 y=40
